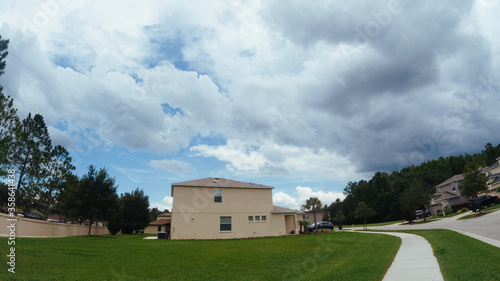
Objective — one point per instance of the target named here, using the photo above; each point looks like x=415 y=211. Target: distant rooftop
x=282 y=210
x=459 y=177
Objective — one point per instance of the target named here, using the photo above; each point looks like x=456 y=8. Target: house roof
x=165 y=215
x=459 y=177
x=495 y=179
x=219 y=182
x=282 y=210
x=159 y=222
x=445 y=195
x=496 y=164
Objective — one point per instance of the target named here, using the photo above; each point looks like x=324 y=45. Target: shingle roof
x=496 y=164
x=220 y=182
x=160 y=222
x=459 y=177
x=165 y=215
x=281 y=210
x=447 y=195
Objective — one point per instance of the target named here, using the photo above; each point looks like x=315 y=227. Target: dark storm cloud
x=406 y=54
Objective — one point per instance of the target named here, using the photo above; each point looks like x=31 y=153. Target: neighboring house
x=447 y=195
x=493 y=173
x=308 y=216
x=161 y=224
x=217 y=208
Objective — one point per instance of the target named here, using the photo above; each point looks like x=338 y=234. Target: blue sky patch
x=167 y=109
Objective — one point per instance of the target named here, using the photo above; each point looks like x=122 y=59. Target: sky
x=301 y=96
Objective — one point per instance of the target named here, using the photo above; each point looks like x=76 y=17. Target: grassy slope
x=342 y=256
x=461 y=257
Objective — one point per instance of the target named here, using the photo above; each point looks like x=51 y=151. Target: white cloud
x=286 y=86
x=271 y=158
x=302 y=194
x=166 y=203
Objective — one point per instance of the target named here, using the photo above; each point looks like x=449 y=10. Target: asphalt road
x=487 y=225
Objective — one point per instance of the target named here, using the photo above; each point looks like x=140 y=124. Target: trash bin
x=162 y=235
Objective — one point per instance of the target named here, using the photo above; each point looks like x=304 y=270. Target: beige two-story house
x=447 y=195
x=217 y=208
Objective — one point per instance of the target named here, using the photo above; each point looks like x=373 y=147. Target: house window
x=257 y=218
x=159 y=228
x=250 y=218
x=225 y=223
x=263 y=218
x=453 y=187
x=217 y=196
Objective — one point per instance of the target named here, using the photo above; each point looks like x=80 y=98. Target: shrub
x=463 y=210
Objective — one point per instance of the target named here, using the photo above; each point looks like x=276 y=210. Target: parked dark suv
x=321 y=225
x=484 y=201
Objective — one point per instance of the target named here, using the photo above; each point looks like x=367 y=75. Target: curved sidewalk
x=414 y=260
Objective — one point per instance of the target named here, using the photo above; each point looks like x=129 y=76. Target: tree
x=474 y=182
x=153 y=214
x=9 y=121
x=313 y=204
x=135 y=211
x=115 y=217
x=415 y=197
x=93 y=198
x=364 y=212
x=491 y=153
x=57 y=168
x=31 y=147
x=339 y=218
x=8 y=116
x=4 y=45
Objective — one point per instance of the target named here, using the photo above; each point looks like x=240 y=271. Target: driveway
x=487 y=225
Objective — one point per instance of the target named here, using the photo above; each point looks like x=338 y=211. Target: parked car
x=321 y=225
x=483 y=201
x=419 y=214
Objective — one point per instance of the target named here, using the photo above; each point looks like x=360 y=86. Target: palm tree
x=313 y=204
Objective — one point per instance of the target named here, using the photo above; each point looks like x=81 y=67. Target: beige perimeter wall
x=38 y=228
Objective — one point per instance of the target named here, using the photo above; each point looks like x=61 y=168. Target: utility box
x=162 y=235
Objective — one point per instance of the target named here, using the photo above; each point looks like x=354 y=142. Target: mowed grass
x=339 y=256
x=483 y=212
x=461 y=257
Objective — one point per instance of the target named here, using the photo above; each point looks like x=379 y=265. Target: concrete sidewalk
x=414 y=261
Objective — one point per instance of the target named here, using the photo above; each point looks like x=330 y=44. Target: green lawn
x=339 y=256
x=483 y=212
x=370 y=224
x=461 y=257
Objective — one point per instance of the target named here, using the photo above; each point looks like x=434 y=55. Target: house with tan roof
x=218 y=208
x=447 y=195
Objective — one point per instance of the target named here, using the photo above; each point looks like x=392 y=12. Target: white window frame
x=221 y=224
x=250 y=218
x=217 y=194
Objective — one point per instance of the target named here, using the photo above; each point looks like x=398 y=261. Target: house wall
x=291 y=223
x=153 y=229
x=448 y=187
x=195 y=215
x=457 y=201
x=38 y=228
x=433 y=209
x=309 y=217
